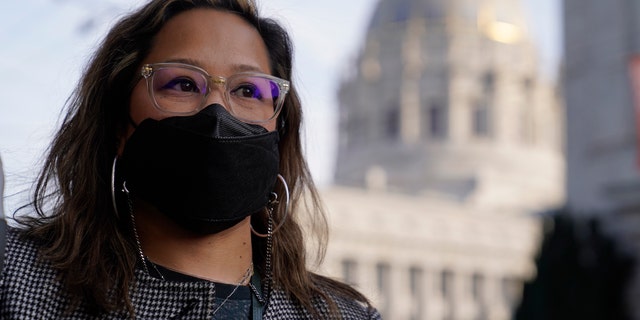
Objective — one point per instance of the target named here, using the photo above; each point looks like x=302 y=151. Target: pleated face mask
x=207 y=171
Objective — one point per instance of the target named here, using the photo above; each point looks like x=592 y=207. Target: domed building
x=450 y=144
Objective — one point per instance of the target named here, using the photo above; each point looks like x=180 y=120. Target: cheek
x=140 y=108
x=271 y=125
x=140 y=105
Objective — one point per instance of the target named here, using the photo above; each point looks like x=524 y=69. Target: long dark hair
x=75 y=222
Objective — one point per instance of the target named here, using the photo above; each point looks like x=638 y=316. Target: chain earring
x=271 y=206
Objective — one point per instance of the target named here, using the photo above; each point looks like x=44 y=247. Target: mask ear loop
x=271 y=204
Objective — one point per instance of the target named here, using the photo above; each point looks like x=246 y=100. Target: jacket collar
x=159 y=299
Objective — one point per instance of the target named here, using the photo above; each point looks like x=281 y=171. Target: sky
x=46 y=44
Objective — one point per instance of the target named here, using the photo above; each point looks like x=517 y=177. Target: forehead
x=218 y=41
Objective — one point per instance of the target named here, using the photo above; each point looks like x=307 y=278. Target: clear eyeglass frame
x=149 y=70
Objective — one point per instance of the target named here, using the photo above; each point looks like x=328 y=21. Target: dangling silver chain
x=268 y=267
x=247 y=275
x=135 y=234
x=257 y=293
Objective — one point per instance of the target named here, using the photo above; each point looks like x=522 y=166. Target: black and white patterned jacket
x=29 y=290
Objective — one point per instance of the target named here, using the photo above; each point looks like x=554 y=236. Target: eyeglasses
x=182 y=89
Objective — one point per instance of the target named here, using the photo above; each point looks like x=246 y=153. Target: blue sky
x=45 y=44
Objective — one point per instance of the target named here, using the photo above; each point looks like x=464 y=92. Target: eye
x=182 y=84
x=247 y=90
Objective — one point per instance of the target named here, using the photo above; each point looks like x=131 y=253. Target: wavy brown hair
x=81 y=234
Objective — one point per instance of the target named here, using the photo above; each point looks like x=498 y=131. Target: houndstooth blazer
x=29 y=290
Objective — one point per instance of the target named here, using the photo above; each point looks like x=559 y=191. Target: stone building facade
x=450 y=143
x=602 y=89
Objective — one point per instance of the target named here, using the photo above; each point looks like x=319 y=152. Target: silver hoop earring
x=113 y=185
x=271 y=204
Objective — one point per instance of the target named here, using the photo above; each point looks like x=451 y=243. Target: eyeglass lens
x=183 y=90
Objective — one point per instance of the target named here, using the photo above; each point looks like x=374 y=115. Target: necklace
x=247 y=275
x=243 y=280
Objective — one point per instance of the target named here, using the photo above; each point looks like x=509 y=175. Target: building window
x=349 y=270
x=403 y=12
x=346 y=127
x=437 y=121
x=417 y=293
x=477 y=286
x=480 y=119
x=527 y=126
x=478 y=289
x=392 y=123
x=527 y=86
x=527 y=115
x=354 y=127
x=430 y=10
x=488 y=82
x=383 y=274
x=446 y=288
x=512 y=291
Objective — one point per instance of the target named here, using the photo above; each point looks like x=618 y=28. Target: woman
x=172 y=189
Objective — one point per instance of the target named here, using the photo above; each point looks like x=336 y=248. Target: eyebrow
x=240 y=67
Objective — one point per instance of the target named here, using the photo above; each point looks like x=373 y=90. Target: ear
x=120 y=142
x=124 y=132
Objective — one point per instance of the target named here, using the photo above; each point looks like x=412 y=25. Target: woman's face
x=219 y=42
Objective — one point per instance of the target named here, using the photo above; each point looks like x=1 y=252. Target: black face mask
x=207 y=172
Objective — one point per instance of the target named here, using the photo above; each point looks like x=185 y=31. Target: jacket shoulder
x=353 y=309
x=282 y=306
x=28 y=285
x=20 y=253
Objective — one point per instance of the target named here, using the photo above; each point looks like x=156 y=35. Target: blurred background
x=478 y=158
